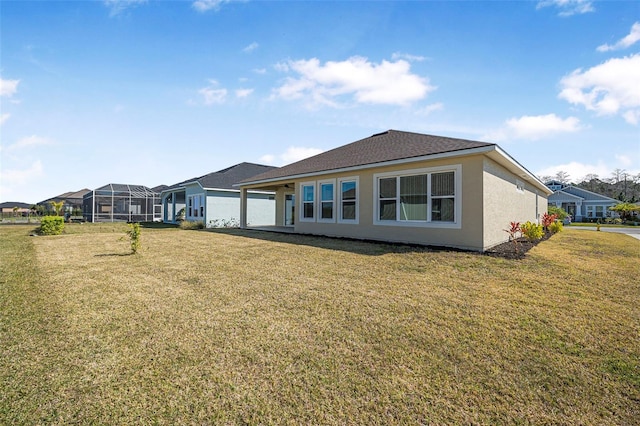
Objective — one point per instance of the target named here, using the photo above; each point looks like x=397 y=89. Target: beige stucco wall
x=504 y=202
x=489 y=201
x=467 y=234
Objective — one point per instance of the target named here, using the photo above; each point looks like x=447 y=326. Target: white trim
x=319 y=201
x=301 y=217
x=457 y=222
x=342 y=180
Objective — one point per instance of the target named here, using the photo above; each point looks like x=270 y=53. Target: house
x=72 y=202
x=405 y=187
x=116 y=202
x=580 y=203
x=214 y=200
x=14 y=209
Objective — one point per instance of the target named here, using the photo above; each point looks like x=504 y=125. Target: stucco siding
x=466 y=233
x=223 y=209
x=507 y=198
x=262 y=210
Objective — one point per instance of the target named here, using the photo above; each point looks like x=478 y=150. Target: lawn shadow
x=351 y=245
x=114 y=254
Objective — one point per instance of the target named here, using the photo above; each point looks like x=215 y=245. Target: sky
x=152 y=92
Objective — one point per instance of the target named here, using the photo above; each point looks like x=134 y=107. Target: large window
x=429 y=197
x=308 y=201
x=348 y=195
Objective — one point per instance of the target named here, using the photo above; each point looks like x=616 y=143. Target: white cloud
x=205 y=5
x=250 y=48
x=390 y=83
x=3 y=118
x=119 y=6
x=429 y=109
x=632 y=116
x=625 y=160
x=22 y=176
x=568 y=7
x=243 y=93
x=291 y=155
x=411 y=58
x=534 y=127
x=576 y=170
x=624 y=42
x=8 y=88
x=28 y=142
x=607 y=89
x=213 y=95
x=260 y=70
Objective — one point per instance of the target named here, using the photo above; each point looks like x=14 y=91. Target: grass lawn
x=244 y=327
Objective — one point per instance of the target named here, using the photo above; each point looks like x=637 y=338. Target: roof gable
x=587 y=195
x=226 y=178
x=391 y=145
x=564 y=196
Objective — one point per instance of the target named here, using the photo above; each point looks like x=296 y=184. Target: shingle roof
x=587 y=195
x=382 y=147
x=68 y=195
x=12 y=204
x=226 y=178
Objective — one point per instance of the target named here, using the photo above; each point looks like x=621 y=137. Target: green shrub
x=532 y=231
x=186 y=224
x=555 y=227
x=51 y=225
x=558 y=211
x=134 y=236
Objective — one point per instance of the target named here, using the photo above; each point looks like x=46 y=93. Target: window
x=387 y=193
x=424 y=197
x=413 y=197
x=443 y=197
x=308 y=199
x=348 y=188
x=326 y=191
x=195 y=206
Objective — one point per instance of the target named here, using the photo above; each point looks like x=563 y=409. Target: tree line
x=622 y=186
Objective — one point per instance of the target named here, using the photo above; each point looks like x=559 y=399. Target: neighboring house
x=405 y=187
x=72 y=202
x=214 y=200
x=116 y=202
x=580 y=203
x=14 y=208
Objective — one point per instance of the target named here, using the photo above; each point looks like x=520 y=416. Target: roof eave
x=515 y=167
x=450 y=154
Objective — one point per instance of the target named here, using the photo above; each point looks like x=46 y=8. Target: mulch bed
x=507 y=250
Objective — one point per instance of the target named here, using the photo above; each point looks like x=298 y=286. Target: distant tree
x=617 y=175
x=15 y=211
x=57 y=206
x=590 y=182
x=563 y=177
x=625 y=210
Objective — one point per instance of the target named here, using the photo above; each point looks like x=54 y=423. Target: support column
x=243 y=208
